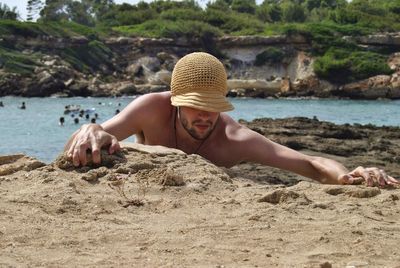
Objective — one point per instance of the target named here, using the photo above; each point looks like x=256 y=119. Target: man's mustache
x=201 y=122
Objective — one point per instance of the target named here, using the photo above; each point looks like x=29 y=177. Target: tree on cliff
x=269 y=12
x=33 y=7
x=293 y=12
x=6 y=13
x=244 y=6
x=86 y=12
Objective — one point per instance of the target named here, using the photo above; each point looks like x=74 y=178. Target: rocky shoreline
x=153 y=206
x=133 y=66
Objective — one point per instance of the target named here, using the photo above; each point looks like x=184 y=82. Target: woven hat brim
x=205 y=101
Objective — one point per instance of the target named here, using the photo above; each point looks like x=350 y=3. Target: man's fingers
x=349 y=179
x=372 y=177
x=361 y=172
x=82 y=153
x=392 y=180
x=345 y=179
x=377 y=176
x=91 y=137
x=357 y=180
x=114 y=146
x=385 y=177
x=71 y=149
x=96 y=156
x=75 y=158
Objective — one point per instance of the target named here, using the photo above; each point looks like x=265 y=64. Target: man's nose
x=204 y=114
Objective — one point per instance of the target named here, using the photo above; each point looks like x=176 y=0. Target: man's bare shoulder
x=162 y=99
x=234 y=131
x=230 y=142
x=150 y=105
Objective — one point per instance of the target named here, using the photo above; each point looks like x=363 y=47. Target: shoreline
x=306 y=133
x=56 y=96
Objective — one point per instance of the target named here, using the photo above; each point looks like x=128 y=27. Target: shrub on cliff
x=182 y=14
x=37 y=29
x=339 y=65
x=90 y=57
x=270 y=55
x=233 y=23
x=133 y=17
x=15 y=62
x=375 y=18
x=170 y=29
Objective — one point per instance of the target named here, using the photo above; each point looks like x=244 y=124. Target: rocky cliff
x=123 y=65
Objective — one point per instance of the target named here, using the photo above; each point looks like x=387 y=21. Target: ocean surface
x=35 y=131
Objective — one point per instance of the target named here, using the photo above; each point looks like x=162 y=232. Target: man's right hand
x=93 y=137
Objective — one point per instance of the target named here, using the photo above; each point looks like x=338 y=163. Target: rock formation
x=141 y=65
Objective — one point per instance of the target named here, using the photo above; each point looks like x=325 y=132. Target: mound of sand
x=153 y=206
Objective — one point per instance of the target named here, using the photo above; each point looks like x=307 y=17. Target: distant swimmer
x=87 y=116
x=93 y=121
x=96 y=115
x=117 y=111
x=71 y=108
x=61 y=121
x=23 y=107
x=1 y=104
x=76 y=120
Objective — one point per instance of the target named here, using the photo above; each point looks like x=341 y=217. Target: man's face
x=199 y=124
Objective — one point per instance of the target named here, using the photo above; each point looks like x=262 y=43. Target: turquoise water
x=36 y=132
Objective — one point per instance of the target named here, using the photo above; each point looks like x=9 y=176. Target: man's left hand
x=370 y=176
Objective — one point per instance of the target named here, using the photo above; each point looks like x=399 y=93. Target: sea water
x=35 y=131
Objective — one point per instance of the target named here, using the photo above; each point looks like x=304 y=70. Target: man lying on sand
x=191 y=118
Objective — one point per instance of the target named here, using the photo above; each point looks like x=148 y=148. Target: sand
x=158 y=207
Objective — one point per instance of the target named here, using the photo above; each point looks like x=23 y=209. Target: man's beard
x=192 y=131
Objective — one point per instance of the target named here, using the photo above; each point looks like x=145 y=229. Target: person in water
x=191 y=118
x=23 y=107
x=61 y=121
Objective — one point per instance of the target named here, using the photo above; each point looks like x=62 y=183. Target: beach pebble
x=325 y=265
x=357 y=264
x=285 y=196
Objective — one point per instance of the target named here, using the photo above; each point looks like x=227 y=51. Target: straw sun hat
x=199 y=81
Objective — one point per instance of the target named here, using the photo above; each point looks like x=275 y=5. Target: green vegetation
x=15 y=62
x=6 y=13
x=323 y=23
x=168 y=28
x=54 y=28
x=88 y=58
x=340 y=65
x=271 y=55
x=12 y=60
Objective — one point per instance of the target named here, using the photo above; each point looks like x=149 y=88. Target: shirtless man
x=191 y=118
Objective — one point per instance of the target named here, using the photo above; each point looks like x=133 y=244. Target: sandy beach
x=158 y=207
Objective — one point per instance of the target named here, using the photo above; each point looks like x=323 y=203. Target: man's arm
x=261 y=150
x=128 y=122
x=131 y=120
